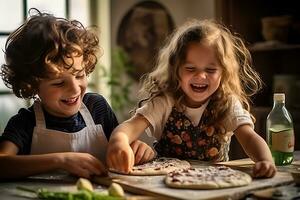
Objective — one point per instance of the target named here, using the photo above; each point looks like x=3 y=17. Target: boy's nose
x=74 y=86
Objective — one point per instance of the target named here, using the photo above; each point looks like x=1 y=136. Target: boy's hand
x=264 y=169
x=81 y=164
x=120 y=156
x=142 y=152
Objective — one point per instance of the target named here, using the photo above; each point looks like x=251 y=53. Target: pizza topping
x=159 y=166
x=205 y=174
x=211 y=177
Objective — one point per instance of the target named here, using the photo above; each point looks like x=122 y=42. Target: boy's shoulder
x=92 y=95
x=101 y=112
x=92 y=98
x=24 y=114
x=96 y=103
x=23 y=120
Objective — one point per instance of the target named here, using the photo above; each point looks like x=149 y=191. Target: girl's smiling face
x=62 y=95
x=200 y=74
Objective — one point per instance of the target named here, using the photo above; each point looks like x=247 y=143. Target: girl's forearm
x=258 y=150
x=130 y=130
x=254 y=145
x=119 y=135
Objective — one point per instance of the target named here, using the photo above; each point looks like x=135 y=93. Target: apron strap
x=40 y=119
x=86 y=115
x=39 y=114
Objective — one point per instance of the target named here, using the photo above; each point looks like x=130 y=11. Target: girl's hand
x=81 y=164
x=120 y=156
x=264 y=169
x=143 y=152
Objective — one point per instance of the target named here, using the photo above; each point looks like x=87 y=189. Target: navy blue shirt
x=19 y=128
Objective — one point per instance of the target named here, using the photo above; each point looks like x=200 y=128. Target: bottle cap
x=279 y=97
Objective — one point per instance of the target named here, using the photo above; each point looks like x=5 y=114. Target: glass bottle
x=280 y=132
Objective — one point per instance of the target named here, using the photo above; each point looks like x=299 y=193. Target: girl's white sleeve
x=156 y=112
x=238 y=116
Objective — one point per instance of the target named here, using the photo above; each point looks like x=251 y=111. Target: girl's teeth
x=199 y=85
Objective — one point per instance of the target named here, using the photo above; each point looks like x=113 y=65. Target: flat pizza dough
x=158 y=166
x=212 y=177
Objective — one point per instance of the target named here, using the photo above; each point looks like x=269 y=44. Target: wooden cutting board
x=284 y=192
x=154 y=186
x=296 y=163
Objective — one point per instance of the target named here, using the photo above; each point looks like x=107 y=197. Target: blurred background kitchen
x=131 y=31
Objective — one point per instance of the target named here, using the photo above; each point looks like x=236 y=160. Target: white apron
x=91 y=139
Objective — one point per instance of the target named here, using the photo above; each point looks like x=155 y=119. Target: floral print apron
x=183 y=140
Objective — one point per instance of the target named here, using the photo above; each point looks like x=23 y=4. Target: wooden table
x=153 y=185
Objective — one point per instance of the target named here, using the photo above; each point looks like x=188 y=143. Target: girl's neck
x=193 y=104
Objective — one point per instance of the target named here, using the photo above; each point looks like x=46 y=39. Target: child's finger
x=148 y=155
x=258 y=174
x=90 y=165
x=257 y=170
x=98 y=167
x=271 y=172
x=134 y=147
x=131 y=160
x=138 y=159
x=126 y=161
x=92 y=169
x=113 y=162
x=139 y=154
x=82 y=172
x=108 y=161
x=263 y=170
x=101 y=168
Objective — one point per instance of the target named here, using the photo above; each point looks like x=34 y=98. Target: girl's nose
x=201 y=74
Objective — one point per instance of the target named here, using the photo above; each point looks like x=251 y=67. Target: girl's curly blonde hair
x=238 y=80
x=40 y=48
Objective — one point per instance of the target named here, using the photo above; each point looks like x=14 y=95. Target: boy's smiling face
x=62 y=95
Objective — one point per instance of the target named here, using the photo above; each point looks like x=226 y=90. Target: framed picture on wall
x=142 y=31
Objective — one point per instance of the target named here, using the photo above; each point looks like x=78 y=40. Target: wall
x=179 y=9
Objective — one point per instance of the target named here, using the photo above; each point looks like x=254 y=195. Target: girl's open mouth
x=199 y=87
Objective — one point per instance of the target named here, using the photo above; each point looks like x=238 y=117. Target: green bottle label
x=283 y=141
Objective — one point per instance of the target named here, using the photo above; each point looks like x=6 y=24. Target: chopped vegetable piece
x=84 y=184
x=116 y=190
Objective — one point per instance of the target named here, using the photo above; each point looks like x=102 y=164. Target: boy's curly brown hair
x=39 y=48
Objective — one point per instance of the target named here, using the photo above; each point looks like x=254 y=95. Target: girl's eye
x=211 y=70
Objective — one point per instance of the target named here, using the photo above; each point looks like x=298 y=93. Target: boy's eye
x=79 y=76
x=190 y=68
x=58 y=84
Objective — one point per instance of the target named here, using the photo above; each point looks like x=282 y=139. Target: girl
x=48 y=59
x=194 y=100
